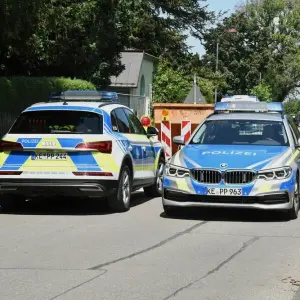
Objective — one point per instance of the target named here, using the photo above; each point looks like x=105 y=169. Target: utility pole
x=195 y=88
x=217 y=68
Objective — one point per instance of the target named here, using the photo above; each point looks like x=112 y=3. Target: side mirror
x=152 y=131
x=179 y=140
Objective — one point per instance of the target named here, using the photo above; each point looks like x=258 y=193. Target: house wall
x=147 y=70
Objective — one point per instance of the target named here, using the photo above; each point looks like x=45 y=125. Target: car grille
x=229 y=177
x=239 y=177
x=207 y=176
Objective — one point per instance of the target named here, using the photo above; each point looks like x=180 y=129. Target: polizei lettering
x=246 y=153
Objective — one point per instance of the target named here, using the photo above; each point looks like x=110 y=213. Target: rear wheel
x=155 y=190
x=120 y=200
x=293 y=212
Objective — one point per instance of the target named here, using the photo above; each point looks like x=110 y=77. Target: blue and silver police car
x=79 y=144
x=244 y=155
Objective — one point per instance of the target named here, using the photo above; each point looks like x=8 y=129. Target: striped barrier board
x=186 y=130
x=166 y=138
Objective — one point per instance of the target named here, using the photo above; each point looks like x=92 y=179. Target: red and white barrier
x=186 y=130
x=166 y=138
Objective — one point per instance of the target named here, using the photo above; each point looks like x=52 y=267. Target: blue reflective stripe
x=15 y=160
x=84 y=161
x=29 y=142
x=69 y=142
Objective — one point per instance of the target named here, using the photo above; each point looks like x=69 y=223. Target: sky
x=216 y=5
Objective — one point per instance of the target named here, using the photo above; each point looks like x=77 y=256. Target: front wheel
x=120 y=200
x=155 y=190
x=293 y=212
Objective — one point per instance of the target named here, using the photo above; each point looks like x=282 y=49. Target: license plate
x=224 y=192
x=49 y=156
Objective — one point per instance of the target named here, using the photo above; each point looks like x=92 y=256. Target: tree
x=160 y=27
x=263 y=92
x=264 y=47
x=173 y=85
x=61 y=38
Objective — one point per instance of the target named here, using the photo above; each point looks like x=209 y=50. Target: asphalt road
x=73 y=250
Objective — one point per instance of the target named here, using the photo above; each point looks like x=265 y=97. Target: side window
x=122 y=121
x=114 y=123
x=135 y=125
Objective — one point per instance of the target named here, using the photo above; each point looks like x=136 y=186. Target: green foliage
x=170 y=86
x=292 y=107
x=67 y=38
x=265 y=46
x=263 y=92
x=173 y=85
x=161 y=27
x=18 y=93
x=84 y=38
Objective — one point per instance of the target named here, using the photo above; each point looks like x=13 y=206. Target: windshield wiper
x=66 y=131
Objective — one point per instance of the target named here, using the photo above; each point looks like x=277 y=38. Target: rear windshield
x=58 y=122
x=241 y=132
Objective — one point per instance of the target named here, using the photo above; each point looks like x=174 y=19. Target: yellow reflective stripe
x=106 y=162
x=294 y=156
x=265 y=188
x=182 y=184
x=51 y=140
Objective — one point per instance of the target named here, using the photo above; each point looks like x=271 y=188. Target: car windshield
x=241 y=132
x=58 y=122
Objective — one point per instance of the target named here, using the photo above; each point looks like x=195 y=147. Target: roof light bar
x=247 y=106
x=86 y=95
x=236 y=98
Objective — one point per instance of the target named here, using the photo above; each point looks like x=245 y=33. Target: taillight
x=11 y=172
x=10 y=146
x=107 y=174
x=104 y=146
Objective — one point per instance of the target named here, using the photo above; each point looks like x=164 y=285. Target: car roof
x=246 y=116
x=106 y=106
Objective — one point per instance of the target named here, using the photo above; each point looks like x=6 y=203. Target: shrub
x=17 y=93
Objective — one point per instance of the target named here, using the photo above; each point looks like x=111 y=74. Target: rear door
x=61 y=144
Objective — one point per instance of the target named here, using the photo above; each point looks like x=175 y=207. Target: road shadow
x=72 y=206
x=227 y=215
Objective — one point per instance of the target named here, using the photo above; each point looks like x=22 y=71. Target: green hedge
x=17 y=93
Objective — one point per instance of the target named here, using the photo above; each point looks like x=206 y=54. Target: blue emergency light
x=248 y=106
x=83 y=95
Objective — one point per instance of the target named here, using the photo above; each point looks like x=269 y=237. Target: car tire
x=292 y=213
x=119 y=201
x=155 y=190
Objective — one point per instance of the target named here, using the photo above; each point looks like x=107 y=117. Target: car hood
x=232 y=157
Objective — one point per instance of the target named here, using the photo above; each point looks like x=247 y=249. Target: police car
x=244 y=155
x=83 y=144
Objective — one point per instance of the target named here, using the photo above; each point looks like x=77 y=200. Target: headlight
x=176 y=171
x=273 y=174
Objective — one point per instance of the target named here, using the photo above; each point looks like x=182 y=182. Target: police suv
x=83 y=144
x=244 y=155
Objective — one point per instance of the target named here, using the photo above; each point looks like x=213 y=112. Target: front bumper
x=281 y=200
x=46 y=188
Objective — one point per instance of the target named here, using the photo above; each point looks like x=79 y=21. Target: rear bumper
x=281 y=200
x=30 y=188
